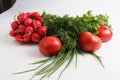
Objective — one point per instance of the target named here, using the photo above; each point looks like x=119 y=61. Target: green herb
x=68 y=29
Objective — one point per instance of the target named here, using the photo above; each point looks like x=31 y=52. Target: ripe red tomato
x=49 y=46
x=89 y=42
x=105 y=33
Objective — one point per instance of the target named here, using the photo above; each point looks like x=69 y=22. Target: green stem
x=58 y=64
x=48 y=67
x=44 y=60
x=98 y=58
x=70 y=60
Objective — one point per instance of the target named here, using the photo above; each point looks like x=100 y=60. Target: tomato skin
x=89 y=42
x=105 y=33
x=49 y=46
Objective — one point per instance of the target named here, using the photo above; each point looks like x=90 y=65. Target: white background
x=16 y=57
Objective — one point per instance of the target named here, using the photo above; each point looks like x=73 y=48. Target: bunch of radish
x=28 y=27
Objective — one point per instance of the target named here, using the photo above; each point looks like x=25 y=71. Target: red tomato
x=105 y=33
x=89 y=42
x=49 y=46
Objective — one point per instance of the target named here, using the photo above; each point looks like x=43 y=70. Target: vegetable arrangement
x=61 y=38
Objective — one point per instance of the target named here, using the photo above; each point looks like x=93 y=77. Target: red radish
x=42 y=30
x=27 y=21
x=29 y=30
x=35 y=37
x=27 y=37
x=36 y=24
x=12 y=33
x=21 y=17
x=19 y=38
x=21 y=28
x=40 y=19
x=29 y=14
x=14 y=25
x=35 y=15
